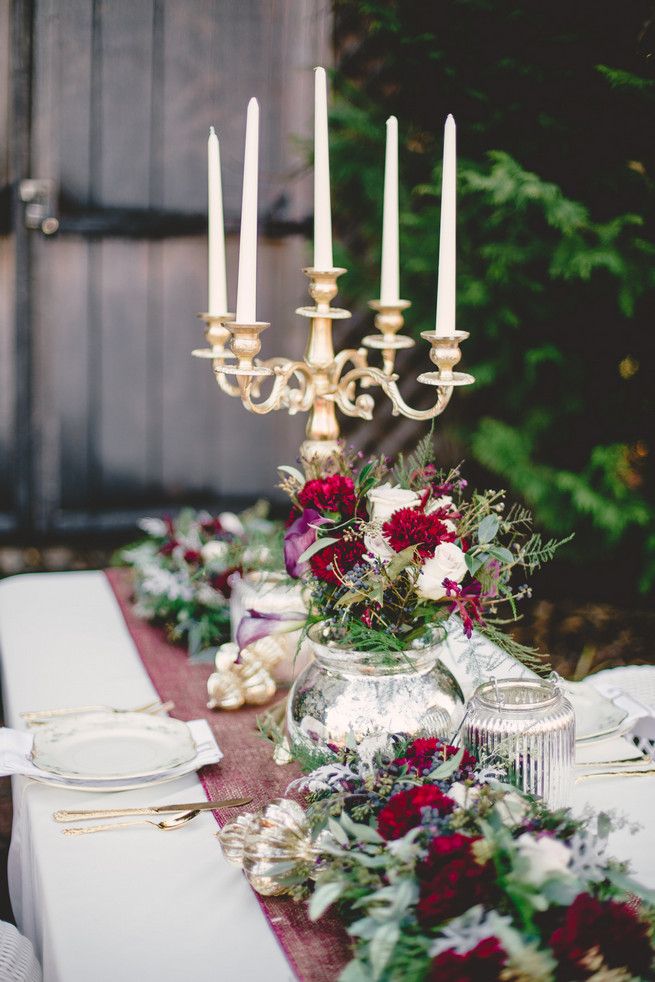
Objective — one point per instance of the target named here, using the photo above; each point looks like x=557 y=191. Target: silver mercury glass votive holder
x=525 y=729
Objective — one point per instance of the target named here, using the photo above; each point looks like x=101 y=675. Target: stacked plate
x=105 y=751
x=595 y=716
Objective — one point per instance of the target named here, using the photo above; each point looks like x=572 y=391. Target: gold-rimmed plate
x=108 y=747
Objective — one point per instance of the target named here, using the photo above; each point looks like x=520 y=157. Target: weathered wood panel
x=7 y=360
x=123 y=97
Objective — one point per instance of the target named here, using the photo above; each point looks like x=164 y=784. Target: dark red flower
x=484 y=963
x=335 y=493
x=445 y=849
x=192 y=557
x=221 y=581
x=455 y=888
x=409 y=527
x=425 y=754
x=403 y=811
x=341 y=555
x=451 y=879
x=612 y=929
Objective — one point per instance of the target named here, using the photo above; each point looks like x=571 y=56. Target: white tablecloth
x=135 y=904
x=139 y=904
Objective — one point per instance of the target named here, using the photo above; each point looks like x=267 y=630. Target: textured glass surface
x=526 y=728
x=346 y=696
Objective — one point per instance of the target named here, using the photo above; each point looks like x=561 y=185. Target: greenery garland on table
x=441 y=873
x=182 y=570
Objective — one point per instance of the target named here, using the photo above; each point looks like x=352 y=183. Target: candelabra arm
x=295 y=400
x=363 y=405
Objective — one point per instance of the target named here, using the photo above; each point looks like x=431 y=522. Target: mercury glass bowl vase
x=345 y=696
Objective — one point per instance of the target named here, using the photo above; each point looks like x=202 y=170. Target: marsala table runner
x=318 y=951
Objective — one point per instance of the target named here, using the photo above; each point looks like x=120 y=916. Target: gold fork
x=176 y=822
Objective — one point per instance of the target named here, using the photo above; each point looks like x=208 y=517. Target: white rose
x=385 y=500
x=213 y=552
x=545 y=855
x=231 y=523
x=449 y=563
x=463 y=795
x=378 y=547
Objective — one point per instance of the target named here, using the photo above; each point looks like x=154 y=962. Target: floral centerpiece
x=443 y=874
x=387 y=554
x=183 y=566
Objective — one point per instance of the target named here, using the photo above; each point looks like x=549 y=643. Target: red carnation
x=459 y=885
x=484 y=963
x=343 y=555
x=334 y=493
x=403 y=811
x=409 y=527
x=421 y=754
x=445 y=849
x=612 y=929
x=451 y=879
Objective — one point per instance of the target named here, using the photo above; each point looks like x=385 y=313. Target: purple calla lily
x=256 y=625
x=298 y=537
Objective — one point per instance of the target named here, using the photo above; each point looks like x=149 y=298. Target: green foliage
x=556 y=241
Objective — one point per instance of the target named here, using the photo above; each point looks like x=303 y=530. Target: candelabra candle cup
x=525 y=729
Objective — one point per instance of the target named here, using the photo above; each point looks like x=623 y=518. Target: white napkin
x=16 y=751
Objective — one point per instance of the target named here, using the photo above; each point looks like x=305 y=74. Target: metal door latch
x=40 y=204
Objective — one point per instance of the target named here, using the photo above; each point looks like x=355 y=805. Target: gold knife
x=79 y=816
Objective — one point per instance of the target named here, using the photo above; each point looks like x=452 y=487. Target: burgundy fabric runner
x=318 y=951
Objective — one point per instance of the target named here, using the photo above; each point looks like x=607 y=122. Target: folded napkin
x=16 y=754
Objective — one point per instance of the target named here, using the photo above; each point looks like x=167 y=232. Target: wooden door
x=104 y=413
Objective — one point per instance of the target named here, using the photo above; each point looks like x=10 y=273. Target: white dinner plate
x=111 y=747
x=595 y=716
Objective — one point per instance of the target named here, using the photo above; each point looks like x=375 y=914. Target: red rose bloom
x=483 y=963
x=333 y=493
x=620 y=937
x=409 y=527
x=425 y=754
x=403 y=811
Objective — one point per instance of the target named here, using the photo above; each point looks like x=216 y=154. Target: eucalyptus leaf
x=324 y=896
x=338 y=832
x=382 y=946
x=448 y=767
x=488 y=529
x=475 y=560
x=500 y=552
x=355 y=971
x=362 y=833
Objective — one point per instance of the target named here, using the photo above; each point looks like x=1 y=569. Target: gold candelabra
x=324 y=381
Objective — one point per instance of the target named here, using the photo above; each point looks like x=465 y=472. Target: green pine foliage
x=556 y=242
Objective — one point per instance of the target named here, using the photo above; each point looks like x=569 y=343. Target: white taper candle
x=246 y=312
x=322 y=207
x=217 y=302
x=445 y=322
x=389 y=284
